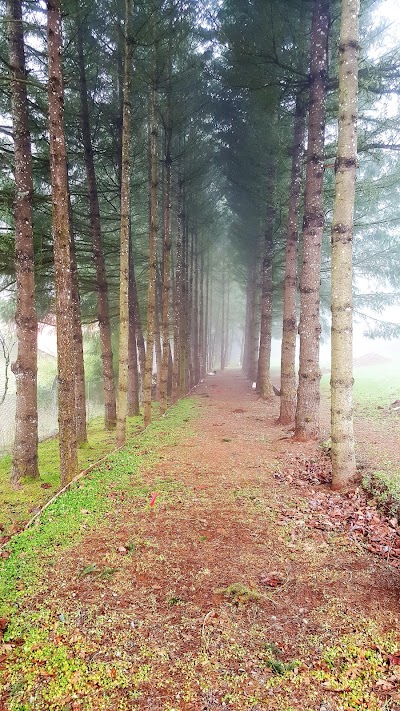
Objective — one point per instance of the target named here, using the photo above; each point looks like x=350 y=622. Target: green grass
x=81 y=506
x=374 y=386
x=18 y=505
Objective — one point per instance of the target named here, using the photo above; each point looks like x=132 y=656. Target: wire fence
x=47 y=403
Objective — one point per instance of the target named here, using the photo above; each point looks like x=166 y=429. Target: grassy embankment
x=19 y=505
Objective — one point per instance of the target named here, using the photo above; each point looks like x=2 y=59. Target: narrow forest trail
x=229 y=593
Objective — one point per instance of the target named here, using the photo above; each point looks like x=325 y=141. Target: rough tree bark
x=79 y=369
x=253 y=330
x=62 y=251
x=343 y=457
x=133 y=372
x=197 y=275
x=228 y=340
x=138 y=323
x=189 y=310
x=264 y=385
x=166 y=277
x=222 y=332
x=202 y=360
x=25 y=454
x=103 y=312
x=207 y=318
x=308 y=396
x=122 y=404
x=185 y=311
x=289 y=330
x=157 y=330
x=177 y=367
x=247 y=323
x=151 y=294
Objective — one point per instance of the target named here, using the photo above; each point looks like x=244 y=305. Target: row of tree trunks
x=25 y=454
x=307 y=411
x=308 y=396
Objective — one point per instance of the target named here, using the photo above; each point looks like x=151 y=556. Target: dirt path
x=224 y=595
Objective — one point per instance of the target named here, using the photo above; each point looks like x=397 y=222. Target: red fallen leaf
x=3 y=623
x=153 y=498
x=271 y=580
x=394 y=658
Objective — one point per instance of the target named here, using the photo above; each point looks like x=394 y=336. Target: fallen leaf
x=271 y=580
x=153 y=498
x=3 y=623
x=394 y=658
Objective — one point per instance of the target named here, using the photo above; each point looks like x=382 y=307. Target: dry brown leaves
x=351 y=512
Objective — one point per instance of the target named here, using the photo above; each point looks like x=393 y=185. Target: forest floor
x=222 y=574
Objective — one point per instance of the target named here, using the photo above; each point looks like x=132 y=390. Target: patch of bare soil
x=247 y=585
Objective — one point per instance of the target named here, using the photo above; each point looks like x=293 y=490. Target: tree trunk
x=343 y=457
x=264 y=385
x=151 y=295
x=166 y=285
x=254 y=329
x=222 y=333
x=157 y=334
x=185 y=313
x=177 y=381
x=103 y=311
x=207 y=319
x=62 y=251
x=189 y=309
x=202 y=329
x=25 y=454
x=247 y=323
x=308 y=395
x=138 y=323
x=227 y=352
x=80 y=393
x=196 y=317
x=289 y=331
x=133 y=373
x=122 y=405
